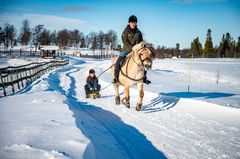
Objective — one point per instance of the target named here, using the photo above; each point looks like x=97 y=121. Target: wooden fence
x=21 y=52
x=21 y=75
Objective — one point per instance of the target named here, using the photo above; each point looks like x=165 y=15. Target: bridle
x=139 y=56
x=140 y=65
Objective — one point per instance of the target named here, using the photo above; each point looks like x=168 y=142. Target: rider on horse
x=130 y=37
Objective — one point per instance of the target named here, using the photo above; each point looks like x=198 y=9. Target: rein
x=127 y=62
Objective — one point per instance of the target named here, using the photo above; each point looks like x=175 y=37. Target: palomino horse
x=132 y=72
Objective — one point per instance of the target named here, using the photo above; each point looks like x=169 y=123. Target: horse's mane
x=144 y=44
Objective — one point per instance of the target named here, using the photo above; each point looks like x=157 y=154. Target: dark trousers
x=88 y=91
x=118 y=66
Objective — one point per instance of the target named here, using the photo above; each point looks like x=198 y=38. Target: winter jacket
x=131 y=37
x=92 y=82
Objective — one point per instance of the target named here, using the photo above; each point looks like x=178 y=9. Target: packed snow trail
x=109 y=135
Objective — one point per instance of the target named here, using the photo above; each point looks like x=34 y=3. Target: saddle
x=122 y=62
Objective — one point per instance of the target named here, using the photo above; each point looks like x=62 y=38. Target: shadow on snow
x=166 y=101
x=198 y=94
x=160 y=103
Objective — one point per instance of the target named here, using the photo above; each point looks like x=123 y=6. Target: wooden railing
x=22 y=75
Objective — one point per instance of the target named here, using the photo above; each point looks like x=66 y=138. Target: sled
x=94 y=95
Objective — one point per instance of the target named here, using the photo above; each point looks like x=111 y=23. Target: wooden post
x=30 y=74
x=16 y=74
x=11 y=77
x=25 y=75
x=4 y=90
x=21 y=78
x=33 y=73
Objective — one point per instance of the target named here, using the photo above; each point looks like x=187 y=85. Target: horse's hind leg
x=126 y=100
x=140 y=98
x=117 y=96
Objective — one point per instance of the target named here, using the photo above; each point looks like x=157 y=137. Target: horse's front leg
x=140 y=98
x=117 y=96
x=126 y=100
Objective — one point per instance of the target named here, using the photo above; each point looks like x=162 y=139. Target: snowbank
x=40 y=125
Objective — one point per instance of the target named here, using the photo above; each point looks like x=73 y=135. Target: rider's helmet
x=132 y=18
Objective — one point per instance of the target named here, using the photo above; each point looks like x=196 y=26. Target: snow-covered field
x=5 y=62
x=52 y=119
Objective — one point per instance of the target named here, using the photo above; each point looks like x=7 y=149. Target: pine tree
x=208 y=46
x=227 y=46
x=177 y=50
x=231 y=45
x=238 y=48
x=196 y=48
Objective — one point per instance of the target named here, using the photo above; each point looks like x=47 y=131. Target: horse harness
x=127 y=62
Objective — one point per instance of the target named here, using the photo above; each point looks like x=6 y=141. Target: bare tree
x=63 y=38
x=83 y=40
x=87 y=41
x=45 y=37
x=2 y=35
x=36 y=33
x=54 y=37
x=92 y=41
x=111 y=39
x=9 y=35
x=74 y=37
x=25 y=33
x=100 y=40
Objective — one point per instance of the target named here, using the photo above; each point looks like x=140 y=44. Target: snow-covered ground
x=213 y=80
x=5 y=62
x=52 y=119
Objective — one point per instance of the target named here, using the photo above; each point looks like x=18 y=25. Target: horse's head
x=143 y=54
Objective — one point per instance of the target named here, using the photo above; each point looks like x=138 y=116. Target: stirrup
x=146 y=81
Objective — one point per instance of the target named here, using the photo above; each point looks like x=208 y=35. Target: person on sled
x=92 y=86
x=130 y=37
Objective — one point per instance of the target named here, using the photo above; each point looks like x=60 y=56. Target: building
x=49 y=51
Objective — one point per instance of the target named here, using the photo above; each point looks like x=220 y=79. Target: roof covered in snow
x=49 y=47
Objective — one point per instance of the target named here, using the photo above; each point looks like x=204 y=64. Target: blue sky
x=163 y=22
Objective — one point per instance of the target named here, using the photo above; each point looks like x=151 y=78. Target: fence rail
x=77 y=53
x=20 y=75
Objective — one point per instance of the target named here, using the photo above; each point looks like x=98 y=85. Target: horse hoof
x=138 y=107
x=125 y=102
x=117 y=100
